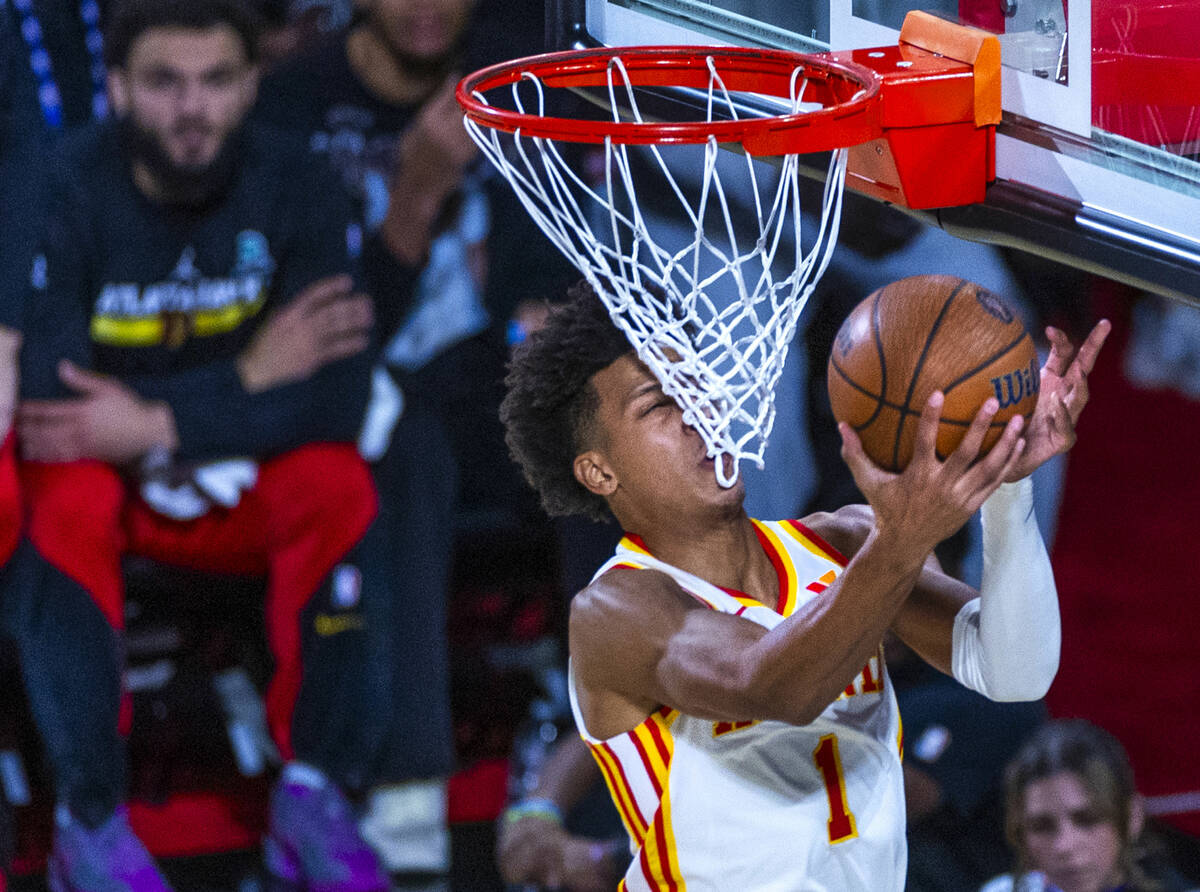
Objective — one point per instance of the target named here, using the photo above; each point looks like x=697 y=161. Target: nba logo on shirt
x=347 y=586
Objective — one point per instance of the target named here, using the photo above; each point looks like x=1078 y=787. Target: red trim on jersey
x=664 y=853
x=659 y=743
x=646 y=763
x=618 y=795
x=647 y=871
x=625 y=781
x=780 y=568
x=641 y=822
x=819 y=542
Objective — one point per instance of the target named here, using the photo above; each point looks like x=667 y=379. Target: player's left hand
x=1063 y=395
x=107 y=421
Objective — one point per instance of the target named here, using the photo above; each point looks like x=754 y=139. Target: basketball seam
x=916 y=373
x=881 y=396
x=897 y=407
x=983 y=365
x=880 y=403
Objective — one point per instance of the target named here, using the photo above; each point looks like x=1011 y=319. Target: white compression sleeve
x=1006 y=642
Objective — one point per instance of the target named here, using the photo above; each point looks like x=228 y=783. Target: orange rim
x=849 y=94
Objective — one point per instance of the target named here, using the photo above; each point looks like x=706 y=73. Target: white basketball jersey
x=758 y=806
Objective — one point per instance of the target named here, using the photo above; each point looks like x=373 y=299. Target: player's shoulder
x=624 y=599
x=621 y=623
x=845 y=529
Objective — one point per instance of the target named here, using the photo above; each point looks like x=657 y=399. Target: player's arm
x=533 y=845
x=638 y=640
x=643 y=641
x=1002 y=640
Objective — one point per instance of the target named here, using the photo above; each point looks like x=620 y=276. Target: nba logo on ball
x=922 y=334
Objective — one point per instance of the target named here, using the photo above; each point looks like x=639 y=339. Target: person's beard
x=429 y=69
x=187 y=186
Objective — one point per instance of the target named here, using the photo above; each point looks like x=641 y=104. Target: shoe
x=109 y=858
x=313 y=841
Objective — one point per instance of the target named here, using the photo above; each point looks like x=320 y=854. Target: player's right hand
x=931 y=499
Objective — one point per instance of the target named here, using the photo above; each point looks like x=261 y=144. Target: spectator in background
x=192 y=304
x=454 y=264
x=1074 y=817
x=291 y=26
x=537 y=842
x=956 y=744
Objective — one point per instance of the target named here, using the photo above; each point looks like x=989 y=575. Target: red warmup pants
x=307 y=510
x=10 y=504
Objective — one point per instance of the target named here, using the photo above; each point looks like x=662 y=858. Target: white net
x=713 y=316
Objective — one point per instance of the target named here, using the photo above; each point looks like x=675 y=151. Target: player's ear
x=595 y=473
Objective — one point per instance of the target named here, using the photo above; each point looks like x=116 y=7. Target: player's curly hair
x=550 y=402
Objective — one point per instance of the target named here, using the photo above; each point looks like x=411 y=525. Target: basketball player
x=727 y=672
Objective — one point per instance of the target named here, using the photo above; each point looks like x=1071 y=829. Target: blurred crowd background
x=279 y=611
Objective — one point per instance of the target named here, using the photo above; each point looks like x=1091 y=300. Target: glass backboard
x=1098 y=152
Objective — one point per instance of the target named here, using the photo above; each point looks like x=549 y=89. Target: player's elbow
x=1030 y=684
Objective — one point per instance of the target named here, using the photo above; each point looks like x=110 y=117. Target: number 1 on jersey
x=829 y=763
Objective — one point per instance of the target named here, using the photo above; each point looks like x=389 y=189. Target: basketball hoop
x=711 y=317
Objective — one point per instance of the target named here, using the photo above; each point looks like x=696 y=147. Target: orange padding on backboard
x=962 y=43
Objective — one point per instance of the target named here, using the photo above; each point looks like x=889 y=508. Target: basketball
x=927 y=333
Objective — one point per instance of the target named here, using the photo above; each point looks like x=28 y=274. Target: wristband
x=542 y=809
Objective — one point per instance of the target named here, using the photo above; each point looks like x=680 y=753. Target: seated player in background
x=194 y=375
x=1074 y=817
x=728 y=673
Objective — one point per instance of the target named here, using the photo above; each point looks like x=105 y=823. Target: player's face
x=421 y=31
x=659 y=466
x=1067 y=838
x=186 y=90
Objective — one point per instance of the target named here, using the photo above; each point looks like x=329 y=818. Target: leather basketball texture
x=918 y=335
